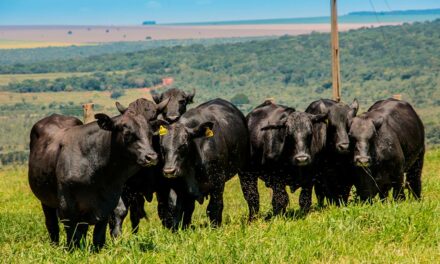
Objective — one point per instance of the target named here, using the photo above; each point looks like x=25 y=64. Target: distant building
x=149 y=23
x=167 y=81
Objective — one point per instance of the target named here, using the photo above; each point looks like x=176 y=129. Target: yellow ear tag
x=326 y=121
x=163 y=131
x=209 y=133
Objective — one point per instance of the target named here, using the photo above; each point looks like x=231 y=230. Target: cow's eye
x=128 y=137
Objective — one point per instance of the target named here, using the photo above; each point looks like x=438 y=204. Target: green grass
x=407 y=232
x=5 y=79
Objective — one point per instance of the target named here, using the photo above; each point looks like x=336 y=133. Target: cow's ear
x=159 y=127
x=105 y=122
x=354 y=106
x=121 y=108
x=319 y=118
x=378 y=123
x=203 y=130
x=190 y=97
x=157 y=98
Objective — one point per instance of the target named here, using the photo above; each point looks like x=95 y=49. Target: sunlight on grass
x=387 y=232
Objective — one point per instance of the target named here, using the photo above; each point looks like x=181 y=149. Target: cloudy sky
x=133 y=12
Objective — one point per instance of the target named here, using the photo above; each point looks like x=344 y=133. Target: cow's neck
x=111 y=163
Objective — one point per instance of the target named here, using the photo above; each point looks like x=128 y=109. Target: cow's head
x=178 y=100
x=363 y=130
x=297 y=130
x=175 y=141
x=132 y=133
x=340 y=117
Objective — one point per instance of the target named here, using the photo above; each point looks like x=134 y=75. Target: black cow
x=389 y=141
x=204 y=149
x=178 y=101
x=77 y=171
x=334 y=170
x=283 y=145
x=149 y=180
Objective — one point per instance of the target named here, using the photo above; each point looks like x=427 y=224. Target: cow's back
x=45 y=139
x=401 y=120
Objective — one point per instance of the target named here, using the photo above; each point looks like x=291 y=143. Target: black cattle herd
x=94 y=174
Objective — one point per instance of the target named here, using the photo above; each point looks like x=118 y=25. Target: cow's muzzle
x=169 y=173
x=302 y=159
x=362 y=161
x=149 y=160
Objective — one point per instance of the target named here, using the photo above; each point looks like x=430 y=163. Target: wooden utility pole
x=336 y=73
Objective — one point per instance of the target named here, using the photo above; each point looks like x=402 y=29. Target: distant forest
x=401 y=12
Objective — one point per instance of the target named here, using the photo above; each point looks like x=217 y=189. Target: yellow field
x=21 y=44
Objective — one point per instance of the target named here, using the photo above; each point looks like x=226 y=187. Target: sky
x=133 y=12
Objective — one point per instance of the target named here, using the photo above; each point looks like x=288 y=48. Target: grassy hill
x=407 y=232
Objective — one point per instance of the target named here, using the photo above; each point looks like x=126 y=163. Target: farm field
x=29 y=44
x=407 y=232
x=5 y=79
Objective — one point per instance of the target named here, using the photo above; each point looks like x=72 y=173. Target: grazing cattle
x=283 y=146
x=334 y=170
x=204 y=149
x=389 y=141
x=178 y=101
x=149 y=180
x=77 y=171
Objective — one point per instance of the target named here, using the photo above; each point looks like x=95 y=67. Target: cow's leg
x=117 y=218
x=99 y=234
x=398 y=185
x=188 y=210
x=280 y=198
x=249 y=186
x=164 y=208
x=52 y=223
x=305 y=199
x=414 y=177
x=215 y=206
x=137 y=211
x=319 y=192
x=76 y=232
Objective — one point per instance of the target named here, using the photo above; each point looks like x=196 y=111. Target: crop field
x=25 y=44
x=406 y=232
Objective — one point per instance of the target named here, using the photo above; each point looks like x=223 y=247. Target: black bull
x=77 y=171
x=283 y=145
x=333 y=167
x=149 y=180
x=388 y=142
x=204 y=149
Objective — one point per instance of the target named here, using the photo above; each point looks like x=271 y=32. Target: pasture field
x=5 y=79
x=28 y=44
x=406 y=232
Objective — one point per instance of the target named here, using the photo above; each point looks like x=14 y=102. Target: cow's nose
x=302 y=159
x=169 y=171
x=172 y=118
x=342 y=147
x=151 y=158
x=362 y=161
